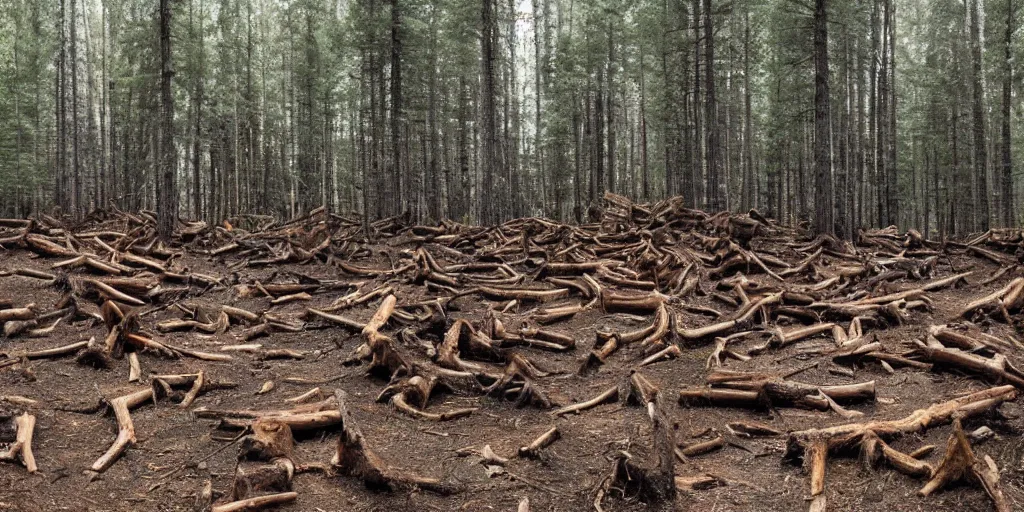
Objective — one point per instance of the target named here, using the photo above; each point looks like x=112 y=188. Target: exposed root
x=355 y=458
x=815 y=445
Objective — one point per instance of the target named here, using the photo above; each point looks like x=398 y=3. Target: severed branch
x=22 y=446
x=125 y=427
x=256 y=503
x=722 y=349
x=744 y=318
x=611 y=394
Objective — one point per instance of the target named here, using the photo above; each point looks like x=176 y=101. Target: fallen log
x=611 y=302
x=700 y=448
x=757 y=390
x=22 y=313
x=995 y=299
x=522 y=294
x=997 y=367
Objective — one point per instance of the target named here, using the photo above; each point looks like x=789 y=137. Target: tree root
x=354 y=457
x=960 y=462
x=815 y=445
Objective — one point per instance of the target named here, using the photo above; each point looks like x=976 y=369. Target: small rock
x=980 y=435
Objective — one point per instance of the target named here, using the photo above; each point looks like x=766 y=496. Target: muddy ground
x=565 y=478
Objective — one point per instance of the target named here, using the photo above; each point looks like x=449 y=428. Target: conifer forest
x=522 y=255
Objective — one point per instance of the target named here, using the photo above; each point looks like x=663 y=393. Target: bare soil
x=567 y=475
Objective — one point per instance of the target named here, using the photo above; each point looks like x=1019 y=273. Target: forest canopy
x=849 y=114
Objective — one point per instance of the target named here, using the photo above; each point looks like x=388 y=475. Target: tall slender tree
x=981 y=220
x=1006 y=182
x=167 y=192
x=823 y=200
x=715 y=184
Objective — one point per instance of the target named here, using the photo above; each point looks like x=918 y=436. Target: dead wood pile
x=739 y=284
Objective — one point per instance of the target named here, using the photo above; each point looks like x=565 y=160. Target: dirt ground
x=567 y=475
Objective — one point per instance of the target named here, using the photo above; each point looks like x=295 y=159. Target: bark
x=491 y=159
x=1006 y=185
x=823 y=199
x=167 y=193
x=978 y=111
x=397 y=121
x=715 y=183
x=612 y=177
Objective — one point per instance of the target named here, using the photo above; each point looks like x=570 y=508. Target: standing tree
x=167 y=192
x=1006 y=184
x=978 y=109
x=823 y=199
x=396 y=109
x=715 y=194
x=489 y=211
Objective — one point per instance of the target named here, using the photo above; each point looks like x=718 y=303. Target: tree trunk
x=1009 y=213
x=396 y=108
x=645 y=173
x=822 y=151
x=491 y=159
x=196 y=141
x=978 y=108
x=435 y=192
x=538 y=148
x=715 y=193
x=612 y=178
x=892 y=186
x=696 y=172
x=167 y=193
x=748 y=154
x=76 y=199
x=598 y=162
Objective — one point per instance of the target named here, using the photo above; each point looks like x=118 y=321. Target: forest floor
x=659 y=274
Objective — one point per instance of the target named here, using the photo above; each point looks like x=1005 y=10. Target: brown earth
x=569 y=473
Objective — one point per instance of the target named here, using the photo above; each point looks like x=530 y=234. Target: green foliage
x=287 y=102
